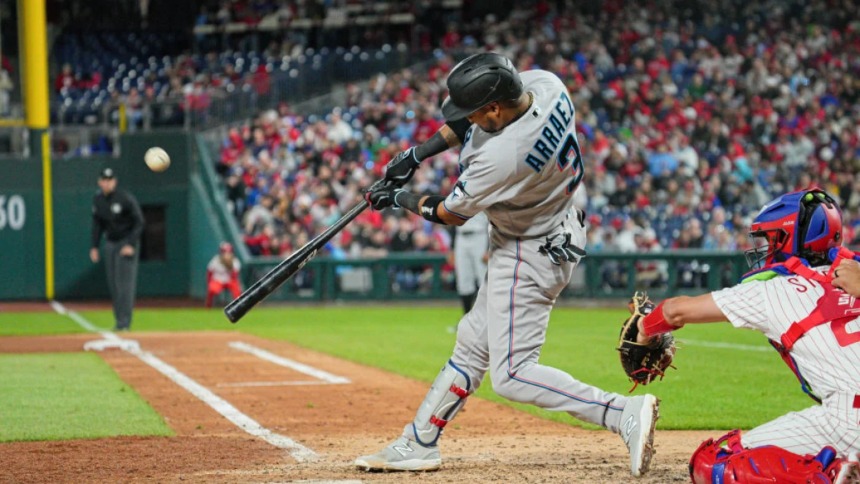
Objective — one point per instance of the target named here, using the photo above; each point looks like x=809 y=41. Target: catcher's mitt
x=643 y=363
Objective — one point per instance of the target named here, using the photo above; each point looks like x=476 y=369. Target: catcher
x=812 y=324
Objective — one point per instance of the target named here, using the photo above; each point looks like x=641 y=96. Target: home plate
x=103 y=344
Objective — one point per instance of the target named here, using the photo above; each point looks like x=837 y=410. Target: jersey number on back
x=570 y=153
x=848 y=305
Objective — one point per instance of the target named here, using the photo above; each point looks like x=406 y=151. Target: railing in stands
x=411 y=276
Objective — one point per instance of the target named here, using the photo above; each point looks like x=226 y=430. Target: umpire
x=117 y=214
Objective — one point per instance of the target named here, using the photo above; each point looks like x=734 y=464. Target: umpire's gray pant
x=122 y=281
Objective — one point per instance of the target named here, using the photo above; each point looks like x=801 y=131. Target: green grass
x=57 y=396
x=713 y=388
x=32 y=323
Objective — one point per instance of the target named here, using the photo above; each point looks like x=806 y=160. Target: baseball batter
x=521 y=165
x=811 y=323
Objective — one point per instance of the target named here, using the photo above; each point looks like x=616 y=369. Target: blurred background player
x=789 y=296
x=471 y=243
x=222 y=273
x=117 y=214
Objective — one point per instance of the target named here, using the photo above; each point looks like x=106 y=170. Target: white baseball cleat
x=637 y=430
x=402 y=455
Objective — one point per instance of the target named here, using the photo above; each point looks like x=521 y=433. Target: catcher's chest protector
x=834 y=307
x=726 y=461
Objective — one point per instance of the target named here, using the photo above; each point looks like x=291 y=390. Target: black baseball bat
x=292 y=264
x=287 y=268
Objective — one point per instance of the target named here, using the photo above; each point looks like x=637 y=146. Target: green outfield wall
x=164 y=197
x=22 y=230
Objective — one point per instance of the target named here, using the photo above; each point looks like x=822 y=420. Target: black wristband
x=430 y=209
x=433 y=146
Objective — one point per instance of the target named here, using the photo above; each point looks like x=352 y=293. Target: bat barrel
x=273 y=279
x=240 y=306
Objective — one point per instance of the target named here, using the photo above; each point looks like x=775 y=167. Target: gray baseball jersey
x=523 y=178
x=827 y=358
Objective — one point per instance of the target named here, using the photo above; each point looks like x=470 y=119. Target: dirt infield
x=487 y=443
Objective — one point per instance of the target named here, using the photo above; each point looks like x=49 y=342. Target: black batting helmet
x=479 y=80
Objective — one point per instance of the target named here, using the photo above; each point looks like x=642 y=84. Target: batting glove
x=402 y=167
x=383 y=196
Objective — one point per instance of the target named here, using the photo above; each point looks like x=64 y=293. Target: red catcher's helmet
x=806 y=223
x=225 y=248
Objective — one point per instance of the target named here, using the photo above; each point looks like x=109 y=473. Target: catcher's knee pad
x=446 y=397
x=725 y=460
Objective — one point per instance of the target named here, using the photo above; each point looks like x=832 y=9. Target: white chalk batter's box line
x=322 y=377
x=285 y=383
x=296 y=450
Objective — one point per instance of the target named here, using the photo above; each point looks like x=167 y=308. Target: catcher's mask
x=806 y=223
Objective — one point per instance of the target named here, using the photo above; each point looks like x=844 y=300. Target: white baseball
x=156 y=159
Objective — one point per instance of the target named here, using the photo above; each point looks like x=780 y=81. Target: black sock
x=467 y=303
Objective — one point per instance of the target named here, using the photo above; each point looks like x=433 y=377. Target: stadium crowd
x=689 y=119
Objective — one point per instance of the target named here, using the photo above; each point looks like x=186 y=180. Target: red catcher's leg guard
x=705 y=458
x=724 y=460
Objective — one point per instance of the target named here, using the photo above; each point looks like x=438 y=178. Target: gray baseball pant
x=122 y=281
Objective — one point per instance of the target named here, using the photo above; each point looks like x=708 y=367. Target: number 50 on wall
x=13 y=213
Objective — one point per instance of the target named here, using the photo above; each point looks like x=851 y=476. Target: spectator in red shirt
x=426 y=126
x=66 y=79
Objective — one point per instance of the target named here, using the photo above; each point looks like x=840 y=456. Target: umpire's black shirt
x=118 y=216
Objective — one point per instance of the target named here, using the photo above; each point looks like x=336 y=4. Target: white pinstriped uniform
x=831 y=369
x=523 y=177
